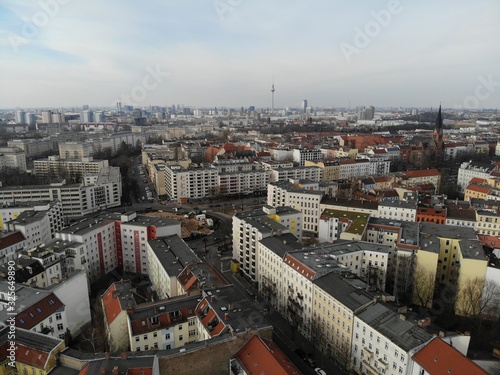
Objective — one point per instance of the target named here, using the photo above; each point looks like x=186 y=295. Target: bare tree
x=403 y=280
x=317 y=334
x=423 y=289
x=343 y=355
x=95 y=334
x=479 y=299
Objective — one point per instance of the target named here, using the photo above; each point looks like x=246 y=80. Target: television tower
x=272 y=94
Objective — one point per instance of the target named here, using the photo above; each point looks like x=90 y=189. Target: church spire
x=439 y=120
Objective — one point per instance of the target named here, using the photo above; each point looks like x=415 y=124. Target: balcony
x=294 y=304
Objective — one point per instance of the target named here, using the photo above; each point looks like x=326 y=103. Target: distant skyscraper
x=85 y=107
x=99 y=117
x=87 y=116
x=137 y=113
x=370 y=113
x=21 y=117
x=118 y=107
x=57 y=118
x=365 y=113
x=47 y=117
x=304 y=105
x=30 y=119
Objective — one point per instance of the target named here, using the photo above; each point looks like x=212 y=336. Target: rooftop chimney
x=124 y=355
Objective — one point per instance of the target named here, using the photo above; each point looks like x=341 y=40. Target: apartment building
x=243 y=182
x=10 y=211
x=336 y=301
x=116 y=300
x=275 y=164
x=168 y=257
x=39 y=269
x=225 y=309
x=12 y=157
x=384 y=341
x=434 y=214
x=424 y=176
x=55 y=167
x=36 y=310
x=287 y=273
x=95 y=193
x=311 y=173
x=438 y=356
x=134 y=232
x=75 y=150
x=10 y=245
x=303 y=200
x=487 y=222
x=460 y=214
x=261 y=356
x=35 y=353
x=157 y=176
x=338 y=224
x=34 y=225
x=272 y=252
x=98 y=234
x=397 y=210
x=191 y=183
x=453 y=255
x=469 y=170
x=34 y=148
x=114 y=141
x=248 y=229
x=301 y=155
x=330 y=169
x=163 y=325
x=287 y=216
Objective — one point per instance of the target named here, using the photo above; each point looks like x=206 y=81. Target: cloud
x=93 y=51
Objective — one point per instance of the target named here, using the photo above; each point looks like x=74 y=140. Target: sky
x=227 y=53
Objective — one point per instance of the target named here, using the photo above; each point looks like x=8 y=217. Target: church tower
x=437 y=135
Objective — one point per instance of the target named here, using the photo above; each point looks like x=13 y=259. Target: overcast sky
x=225 y=52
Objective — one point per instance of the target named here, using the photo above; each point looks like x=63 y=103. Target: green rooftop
x=358 y=220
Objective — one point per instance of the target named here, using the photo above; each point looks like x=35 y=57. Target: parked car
x=319 y=371
x=310 y=362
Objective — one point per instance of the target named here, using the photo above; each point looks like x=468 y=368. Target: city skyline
x=224 y=53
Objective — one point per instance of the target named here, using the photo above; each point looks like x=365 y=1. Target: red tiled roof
x=112 y=307
x=479 y=189
x=299 y=267
x=438 y=358
x=477 y=181
x=492 y=242
x=31 y=357
x=260 y=356
x=11 y=239
x=38 y=312
x=422 y=173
